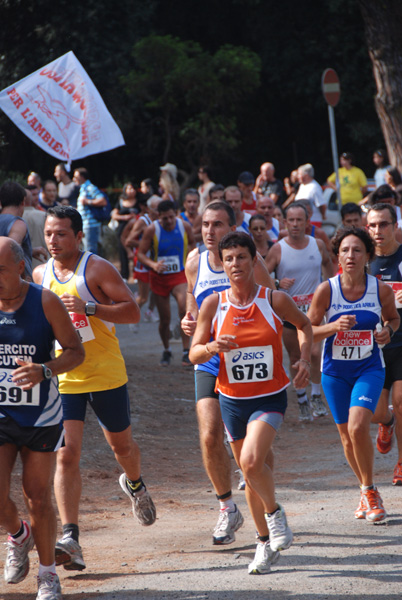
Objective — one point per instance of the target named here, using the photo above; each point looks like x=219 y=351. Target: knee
x=39 y=500
x=68 y=457
x=211 y=438
x=124 y=448
x=251 y=465
x=358 y=431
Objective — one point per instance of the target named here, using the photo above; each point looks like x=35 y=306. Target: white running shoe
x=143 y=507
x=305 y=411
x=263 y=559
x=49 y=587
x=280 y=534
x=151 y=317
x=318 y=407
x=69 y=554
x=242 y=483
x=16 y=567
x=228 y=523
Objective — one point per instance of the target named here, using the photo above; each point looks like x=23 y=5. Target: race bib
x=303 y=302
x=82 y=327
x=13 y=395
x=249 y=365
x=396 y=287
x=172 y=264
x=352 y=345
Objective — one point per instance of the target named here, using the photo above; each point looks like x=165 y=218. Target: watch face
x=47 y=373
x=90 y=308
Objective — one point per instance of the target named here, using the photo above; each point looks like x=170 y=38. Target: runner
x=300 y=262
x=31 y=414
x=246 y=320
x=205 y=275
x=353 y=367
x=94 y=293
x=169 y=239
x=191 y=203
x=387 y=266
x=234 y=198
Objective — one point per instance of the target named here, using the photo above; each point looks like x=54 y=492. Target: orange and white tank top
x=103 y=368
x=255 y=368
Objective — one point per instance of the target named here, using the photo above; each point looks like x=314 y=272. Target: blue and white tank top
x=27 y=334
x=171 y=246
x=244 y=227
x=356 y=351
x=139 y=267
x=209 y=281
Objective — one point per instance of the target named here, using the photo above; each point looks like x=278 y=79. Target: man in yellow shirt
x=96 y=297
x=352 y=180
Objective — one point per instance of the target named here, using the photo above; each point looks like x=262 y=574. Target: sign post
x=331 y=88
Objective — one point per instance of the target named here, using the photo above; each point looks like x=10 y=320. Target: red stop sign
x=331 y=87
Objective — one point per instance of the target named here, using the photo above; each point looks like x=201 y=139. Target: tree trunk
x=383 y=27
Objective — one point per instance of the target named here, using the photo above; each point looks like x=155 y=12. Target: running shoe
x=280 y=534
x=242 y=483
x=375 y=510
x=318 y=406
x=397 y=480
x=177 y=331
x=228 y=523
x=305 y=411
x=263 y=559
x=16 y=567
x=143 y=507
x=69 y=554
x=49 y=587
x=150 y=317
x=360 y=512
x=385 y=436
x=185 y=361
x=134 y=327
x=166 y=358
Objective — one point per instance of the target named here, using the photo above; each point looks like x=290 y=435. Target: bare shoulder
x=192 y=262
x=38 y=274
x=209 y=305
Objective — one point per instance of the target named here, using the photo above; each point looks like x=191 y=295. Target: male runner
x=205 y=275
x=31 y=413
x=234 y=198
x=387 y=266
x=191 y=203
x=96 y=297
x=266 y=207
x=169 y=239
x=298 y=260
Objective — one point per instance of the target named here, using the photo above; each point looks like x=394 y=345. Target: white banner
x=59 y=108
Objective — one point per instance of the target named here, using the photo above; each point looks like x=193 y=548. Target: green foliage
x=194 y=94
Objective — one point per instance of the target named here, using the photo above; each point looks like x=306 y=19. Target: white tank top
x=302 y=265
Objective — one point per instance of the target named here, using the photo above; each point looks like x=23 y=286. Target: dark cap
x=246 y=177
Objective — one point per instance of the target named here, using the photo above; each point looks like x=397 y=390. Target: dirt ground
x=333 y=555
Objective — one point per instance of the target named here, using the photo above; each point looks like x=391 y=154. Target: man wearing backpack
x=90 y=200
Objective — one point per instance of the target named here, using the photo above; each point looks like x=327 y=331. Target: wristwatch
x=47 y=373
x=277 y=282
x=90 y=308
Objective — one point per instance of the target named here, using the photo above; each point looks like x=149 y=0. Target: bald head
x=9 y=249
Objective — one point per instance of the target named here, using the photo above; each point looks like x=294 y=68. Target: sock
x=316 y=389
x=272 y=513
x=46 y=569
x=263 y=538
x=365 y=488
x=135 y=486
x=21 y=534
x=71 y=530
x=302 y=396
x=391 y=422
x=227 y=504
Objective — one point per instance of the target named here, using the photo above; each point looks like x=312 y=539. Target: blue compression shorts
x=112 y=408
x=238 y=413
x=342 y=393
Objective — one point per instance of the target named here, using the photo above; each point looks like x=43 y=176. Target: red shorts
x=162 y=285
x=316 y=223
x=141 y=276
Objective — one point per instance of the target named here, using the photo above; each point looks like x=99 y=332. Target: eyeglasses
x=381 y=225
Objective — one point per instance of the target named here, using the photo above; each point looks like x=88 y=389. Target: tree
x=188 y=98
x=383 y=25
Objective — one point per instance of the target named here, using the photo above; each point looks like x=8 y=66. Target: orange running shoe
x=385 y=436
x=397 y=480
x=375 y=510
x=360 y=512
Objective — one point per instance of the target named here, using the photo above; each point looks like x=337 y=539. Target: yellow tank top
x=103 y=367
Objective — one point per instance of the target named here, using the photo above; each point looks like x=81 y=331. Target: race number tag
x=396 y=287
x=352 y=345
x=83 y=328
x=303 y=302
x=249 y=365
x=13 y=395
x=172 y=264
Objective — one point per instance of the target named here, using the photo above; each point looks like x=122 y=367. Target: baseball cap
x=246 y=177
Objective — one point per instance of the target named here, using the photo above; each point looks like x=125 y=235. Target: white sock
x=302 y=396
x=316 y=389
x=368 y=487
x=21 y=538
x=47 y=569
x=227 y=504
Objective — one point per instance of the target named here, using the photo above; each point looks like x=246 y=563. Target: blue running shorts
x=112 y=408
x=237 y=413
x=342 y=393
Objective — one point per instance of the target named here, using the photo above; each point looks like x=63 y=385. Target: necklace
x=248 y=299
